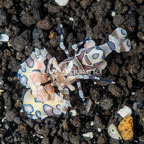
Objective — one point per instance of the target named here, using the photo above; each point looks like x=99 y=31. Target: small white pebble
x=62 y=2
x=91 y=123
x=125 y=111
x=99 y=129
x=133 y=93
x=21 y=110
x=95 y=83
x=88 y=105
x=97 y=102
x=113 y=13
x=4 y=38
x=3 y=119
x=73 y=113
x=26 y=47
x=71 y=19
x=88 y=135
x=113 y=132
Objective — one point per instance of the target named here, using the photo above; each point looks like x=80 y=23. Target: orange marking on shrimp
x=40 y=65
x=49 y=89
x=44 y=78
x=35 y=77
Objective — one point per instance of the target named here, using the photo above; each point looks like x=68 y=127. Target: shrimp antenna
x=94 y=78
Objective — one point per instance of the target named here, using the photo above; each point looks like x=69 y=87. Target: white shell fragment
x=113 y=13
x=91 y=123
x=88 y=135
x=71 y=19
x=73 y=113
x=88 y=105
x=113 y=132
x=125 y=111
x=62 y=2
x=4 y=38
x=99 y=129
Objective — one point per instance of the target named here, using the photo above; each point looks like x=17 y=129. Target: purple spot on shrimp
x=111 y=45
x=38 y=113
x=48 y=109
x=99 y=48
x=30 y=62
x=36 y=100
x=123 y=32
x=58 y=106
x=128 y=43
x=23 y=80
x=28 y=108
x=95 y=56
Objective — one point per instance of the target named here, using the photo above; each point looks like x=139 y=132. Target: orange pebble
x=126 y=128
x=51 y=35
x=49 y=89
x=9 y=45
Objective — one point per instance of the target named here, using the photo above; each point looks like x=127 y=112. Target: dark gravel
x=29 y=24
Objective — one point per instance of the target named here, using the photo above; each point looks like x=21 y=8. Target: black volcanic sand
x=29 y=24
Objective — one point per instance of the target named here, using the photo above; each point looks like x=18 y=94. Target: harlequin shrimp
x=49 y=86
